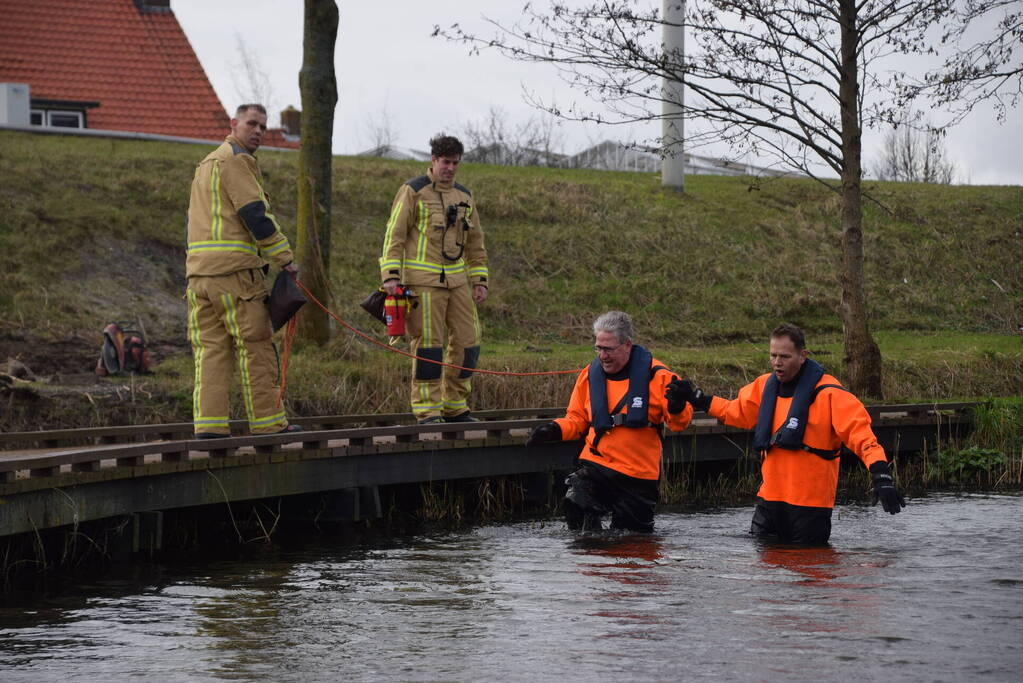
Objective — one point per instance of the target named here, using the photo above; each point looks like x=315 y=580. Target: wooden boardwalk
x=62 y=477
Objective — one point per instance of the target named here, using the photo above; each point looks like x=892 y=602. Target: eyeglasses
x=607 y=349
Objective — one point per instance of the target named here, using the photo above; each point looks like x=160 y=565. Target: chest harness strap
x=790 y=434
x=637 y=396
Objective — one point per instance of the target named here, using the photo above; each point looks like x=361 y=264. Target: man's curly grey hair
x=617 y=323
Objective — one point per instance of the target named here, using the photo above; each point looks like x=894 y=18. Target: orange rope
x=289 y=337
x=370 y=339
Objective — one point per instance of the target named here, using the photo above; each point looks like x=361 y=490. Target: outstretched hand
x=680 y=392
x=545 y=433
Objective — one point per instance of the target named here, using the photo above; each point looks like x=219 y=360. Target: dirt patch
x=67 y=393
x=73 y=355
x=71 y=360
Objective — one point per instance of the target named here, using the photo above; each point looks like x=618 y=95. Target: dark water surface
x=934 y=594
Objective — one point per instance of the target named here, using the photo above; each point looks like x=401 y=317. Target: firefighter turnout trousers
x=228 y=321
x=442 y=312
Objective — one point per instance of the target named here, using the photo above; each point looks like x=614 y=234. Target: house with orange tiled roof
x=119 y=65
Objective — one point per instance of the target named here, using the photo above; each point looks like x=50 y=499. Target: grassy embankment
x=93 y=230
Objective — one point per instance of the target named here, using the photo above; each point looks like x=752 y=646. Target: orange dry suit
x=630 y=441
x=802 y=469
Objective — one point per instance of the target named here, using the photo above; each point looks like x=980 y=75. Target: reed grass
x=990 y=457
x=473 y=501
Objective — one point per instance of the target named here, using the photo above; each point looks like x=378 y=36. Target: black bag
x=374 y=305
x=285 y=299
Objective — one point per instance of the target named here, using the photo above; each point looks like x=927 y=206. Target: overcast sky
x=387 y=64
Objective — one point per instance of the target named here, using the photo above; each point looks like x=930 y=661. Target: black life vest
x=637 y=396
x=790 y=434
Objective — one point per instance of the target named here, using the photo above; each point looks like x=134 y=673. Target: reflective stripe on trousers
x=443 y=315
x=228 y=323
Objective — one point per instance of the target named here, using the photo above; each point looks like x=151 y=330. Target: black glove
x=545 y=433
x=884 y=489
x=681 y=391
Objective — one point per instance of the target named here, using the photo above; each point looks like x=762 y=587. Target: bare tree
x=380 y=131
x=786 y=79
x=251 y=80
x=913 y=155
x=319 y=98
x=984 y=63
x=493 y=140
x=547 y=137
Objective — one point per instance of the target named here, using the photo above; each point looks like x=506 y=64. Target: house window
x=57 y=118
x=50 y=113
x=65 y=119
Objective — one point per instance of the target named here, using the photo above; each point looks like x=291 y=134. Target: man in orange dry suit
x=801 y=416
x=434 y=243
x=231 y=236
x=619 y=403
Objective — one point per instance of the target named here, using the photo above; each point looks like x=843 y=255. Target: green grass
x=724 y=262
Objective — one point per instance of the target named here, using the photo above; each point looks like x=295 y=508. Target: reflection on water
x=935 y=593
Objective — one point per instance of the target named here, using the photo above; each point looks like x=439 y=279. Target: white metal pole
x=672 y=157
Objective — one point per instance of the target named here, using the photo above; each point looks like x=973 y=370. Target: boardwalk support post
x=147 y=532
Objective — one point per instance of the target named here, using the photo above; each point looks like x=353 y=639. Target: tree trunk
x=319 y=98
x=862 y=356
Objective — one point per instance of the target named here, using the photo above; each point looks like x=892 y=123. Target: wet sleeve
x=577 y=420
x=475 y=249
x=400 y=222
x=742 y=411
x=851 y=422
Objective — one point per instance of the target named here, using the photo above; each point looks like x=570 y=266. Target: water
x=935 y=593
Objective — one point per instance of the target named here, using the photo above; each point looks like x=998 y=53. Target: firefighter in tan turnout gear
x=434 y=246
x=231 y=235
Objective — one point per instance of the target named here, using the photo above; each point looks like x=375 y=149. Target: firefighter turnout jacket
x=632 y=451
x=433 y=236
x=800 y=477
x=230 y=227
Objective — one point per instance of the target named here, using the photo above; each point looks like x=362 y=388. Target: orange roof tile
x=138 y=65
x=275 y=137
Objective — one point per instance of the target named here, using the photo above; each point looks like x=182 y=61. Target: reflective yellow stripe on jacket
x=217 y=222
x=224 y=245
x=389 y=238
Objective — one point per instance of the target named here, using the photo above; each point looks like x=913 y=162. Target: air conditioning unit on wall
x=15 y=103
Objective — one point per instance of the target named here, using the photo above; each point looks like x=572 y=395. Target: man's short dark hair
x=792 y=332
x=242 y=108
x=442 y=145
